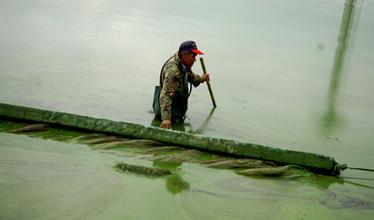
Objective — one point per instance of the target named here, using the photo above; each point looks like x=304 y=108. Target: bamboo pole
x=208 y=83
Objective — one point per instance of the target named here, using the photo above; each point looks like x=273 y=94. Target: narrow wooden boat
x=319 y=163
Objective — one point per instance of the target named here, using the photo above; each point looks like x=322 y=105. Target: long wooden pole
x=208 y=83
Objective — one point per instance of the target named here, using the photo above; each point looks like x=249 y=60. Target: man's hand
x=165 y=124
x=205 y=77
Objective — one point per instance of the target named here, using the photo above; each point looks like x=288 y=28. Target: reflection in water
x=348 y=28
x=182 y=126
x=202 y=128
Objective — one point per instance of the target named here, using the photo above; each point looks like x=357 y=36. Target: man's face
x=189 y=59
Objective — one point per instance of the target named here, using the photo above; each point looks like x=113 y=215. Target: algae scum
x=47 y=167
x=164 y=157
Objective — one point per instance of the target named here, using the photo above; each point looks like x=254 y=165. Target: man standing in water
x=170 y=100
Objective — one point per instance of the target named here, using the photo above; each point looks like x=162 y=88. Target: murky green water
x=279 y=74
x=45 y=179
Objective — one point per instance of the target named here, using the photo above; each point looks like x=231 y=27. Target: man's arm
x=196 y=79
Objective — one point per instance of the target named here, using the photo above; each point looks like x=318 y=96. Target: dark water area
x=293 y=74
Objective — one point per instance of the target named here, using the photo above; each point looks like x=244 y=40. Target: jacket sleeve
x=169 y=87
x=194 y=79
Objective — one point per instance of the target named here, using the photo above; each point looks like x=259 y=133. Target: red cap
x=197 y=51
x=190 y=46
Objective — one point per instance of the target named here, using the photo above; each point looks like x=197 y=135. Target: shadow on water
x=348 y=27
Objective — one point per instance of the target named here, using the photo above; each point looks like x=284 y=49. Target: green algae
x=53 y=133
x=167 y=165
x=142 y=170
x=271 y=106
x=175 y=184
x=57 y=134
x=102 y=140
x=169 y=159
x=8 y=126
x=164 y=157
x=315 y=161
x=32 y=128
x=90 y=137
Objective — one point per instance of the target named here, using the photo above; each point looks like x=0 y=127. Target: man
x=171 y=100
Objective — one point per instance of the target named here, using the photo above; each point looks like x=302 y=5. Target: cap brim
x=197 y=51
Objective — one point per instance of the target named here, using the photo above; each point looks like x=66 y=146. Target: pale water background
x=272 y=64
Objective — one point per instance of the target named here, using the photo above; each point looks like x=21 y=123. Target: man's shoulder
x=172 y=68
x=172 y=72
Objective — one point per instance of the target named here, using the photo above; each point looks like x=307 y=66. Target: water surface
x=293 y=74
x=45 y=179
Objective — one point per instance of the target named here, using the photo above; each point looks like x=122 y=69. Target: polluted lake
x=78 y=174
x=292 y=81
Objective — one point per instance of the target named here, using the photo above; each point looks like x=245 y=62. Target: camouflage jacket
x=174 y=92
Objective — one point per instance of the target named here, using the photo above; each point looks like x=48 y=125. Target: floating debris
x=237 y=163
x=178 y=157
x=101 y=140
x=147 y=171
x=159 y=150
x=172 y=158
x=32 y=128
x=142 y=143
x=106 y=146
x=90 y=137
x=266 y=171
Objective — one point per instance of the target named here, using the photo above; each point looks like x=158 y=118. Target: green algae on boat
x=317 y=162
